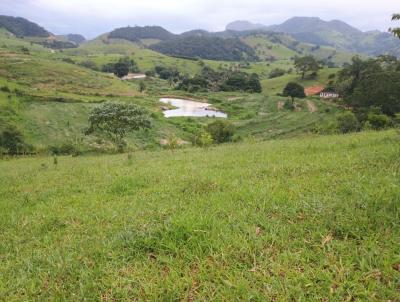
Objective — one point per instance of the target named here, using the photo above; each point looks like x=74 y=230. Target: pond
x=190 y=108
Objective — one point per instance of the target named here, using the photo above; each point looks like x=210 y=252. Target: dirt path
x=280 y=105
x=311 y=106
x=234 y=99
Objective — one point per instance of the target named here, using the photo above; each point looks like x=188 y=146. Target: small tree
x=294 y=90
x=121 y=69
x=221 y=131
x=254 y=85
x=306 y=64
x=116 y=120
x=142 y=86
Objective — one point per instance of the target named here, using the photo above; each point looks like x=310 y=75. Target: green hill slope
x=315 y=219
x=22 y=27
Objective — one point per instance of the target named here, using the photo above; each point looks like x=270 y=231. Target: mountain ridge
x=335 y=33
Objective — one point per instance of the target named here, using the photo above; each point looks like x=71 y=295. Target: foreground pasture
x=313 y=219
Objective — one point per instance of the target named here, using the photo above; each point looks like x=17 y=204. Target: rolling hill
x=22 y=27
x=337 y=34
x=135 y=34
x=211 y=48
x=32 y=32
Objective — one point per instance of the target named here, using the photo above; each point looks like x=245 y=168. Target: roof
x=313 y=90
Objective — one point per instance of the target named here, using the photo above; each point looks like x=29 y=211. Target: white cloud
x=93 y=17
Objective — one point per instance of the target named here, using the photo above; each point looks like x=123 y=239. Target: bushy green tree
x=347 y=122
x=307 y=64
x=116 y=120
x=121 y=69
x=294 y=90
x=240 y=81
x=221 y=131
x=371 y=83
x=167 y=73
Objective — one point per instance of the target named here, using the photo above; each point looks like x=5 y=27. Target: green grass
x=276 y=85
x=48 y=77
x=292 y=220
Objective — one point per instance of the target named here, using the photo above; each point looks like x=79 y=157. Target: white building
x=329 y=95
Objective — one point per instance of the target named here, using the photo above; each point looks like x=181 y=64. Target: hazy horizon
x=94 y=17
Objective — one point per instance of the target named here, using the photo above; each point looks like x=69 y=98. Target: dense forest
x=57 y=44
x=137 y=33
x=210 y=48
x=22 y=27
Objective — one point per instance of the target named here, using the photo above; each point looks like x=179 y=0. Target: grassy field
x=291 y=220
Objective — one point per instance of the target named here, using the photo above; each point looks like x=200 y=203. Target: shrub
x=221 y=131
x=396 y=120
x=64 y=149
x=172 y=142
x=24 y=50
x=347 y=122
x=275 y=73
x=68 y=60
x=289 y=105
x=378 y=121
x=89 y=64
x=12 y=140
x=5 y=89
x=150 y=73
x=204 y=140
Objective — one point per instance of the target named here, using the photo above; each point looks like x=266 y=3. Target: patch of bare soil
x=311 y=106
x=234 y=99
x=280 y=105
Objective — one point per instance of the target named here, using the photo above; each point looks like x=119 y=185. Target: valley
x=259 y=163
x=51 y=92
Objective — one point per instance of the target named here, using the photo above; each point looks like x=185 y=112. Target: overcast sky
x=94 y=17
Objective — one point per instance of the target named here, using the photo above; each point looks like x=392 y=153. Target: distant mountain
x=297 y=25
x=197 y=33
x=205 y=47
x=244 y=26
x=75 y=38
x=334 y=33
x=22 y=27
x=135 y=34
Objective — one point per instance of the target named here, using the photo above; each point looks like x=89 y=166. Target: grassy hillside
x=43 y=76
x=306 y=220
x=270 y=46
x=49 y=99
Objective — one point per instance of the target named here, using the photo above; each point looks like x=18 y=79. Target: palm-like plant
x=396 y=31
